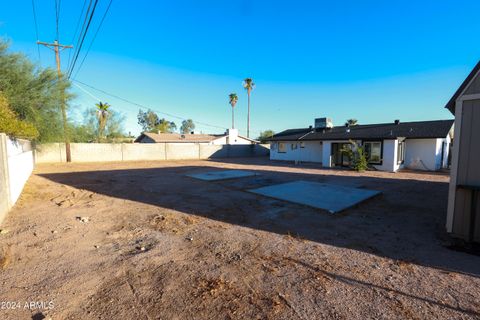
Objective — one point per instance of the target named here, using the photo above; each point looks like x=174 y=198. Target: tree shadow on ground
x=405 y=223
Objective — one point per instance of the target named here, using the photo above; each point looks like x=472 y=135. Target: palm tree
x=248 y=85
x=351 y=122
x=102 y=115
x=233 y=99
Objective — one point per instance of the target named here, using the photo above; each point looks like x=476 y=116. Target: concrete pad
x=222 y=175
x=330 y=197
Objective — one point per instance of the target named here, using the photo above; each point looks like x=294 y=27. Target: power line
x=94 y=37
x=36 y=28
x=57 y=16
x=79 y=47
x=146 y=107
x=76 y=30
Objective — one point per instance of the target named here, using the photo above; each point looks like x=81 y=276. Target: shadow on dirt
x=405 y=223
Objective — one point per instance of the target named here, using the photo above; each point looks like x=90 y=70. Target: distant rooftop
x=177 y=137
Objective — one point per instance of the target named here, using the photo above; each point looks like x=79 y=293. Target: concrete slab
x=330 y=197
x=222 y=175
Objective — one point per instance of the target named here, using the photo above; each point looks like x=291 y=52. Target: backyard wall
x=104 y=152
x=16 y=165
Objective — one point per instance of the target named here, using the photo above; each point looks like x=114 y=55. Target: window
x=401 y=152
x=294 y=146
x=373 y=151
x=282 y=147
x=302 y=144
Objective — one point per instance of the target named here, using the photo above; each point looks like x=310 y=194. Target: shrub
x=357 y=156
x=11 y=125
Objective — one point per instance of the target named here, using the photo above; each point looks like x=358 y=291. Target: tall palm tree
x=248 y=85
x=102 y=115
x=233 y=99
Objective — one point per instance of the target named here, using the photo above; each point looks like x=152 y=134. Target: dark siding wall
x=468 y=169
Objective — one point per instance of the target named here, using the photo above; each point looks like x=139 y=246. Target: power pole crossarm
x=55 y=46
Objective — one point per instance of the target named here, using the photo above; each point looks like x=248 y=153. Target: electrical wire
x=94 y=37
x=36 y=28
x=79 y=47
x=57 y=17
x=76 y=30
x=146 y=107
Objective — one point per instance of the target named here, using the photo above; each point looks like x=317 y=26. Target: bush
x=357 y=156
x=11 y=125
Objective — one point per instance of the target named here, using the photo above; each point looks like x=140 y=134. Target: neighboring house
x=420 y=145
x=463 y=214
x=230 y=137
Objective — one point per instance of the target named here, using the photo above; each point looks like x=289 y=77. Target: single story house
x=231 y=136
x=463 y=213
x=422 y=145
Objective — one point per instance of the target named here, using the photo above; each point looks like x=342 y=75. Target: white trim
x=475 y=96
x=452 y=189
x=462 y=94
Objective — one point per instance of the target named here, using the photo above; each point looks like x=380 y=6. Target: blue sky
x=375 y=61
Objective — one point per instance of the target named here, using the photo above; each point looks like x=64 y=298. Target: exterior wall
x=389 y=156
x=465 y=171
x=327 y=154
x=16 y=165
x=423 y=154
x=474 y=86
x=105 y=152
x=312 y=151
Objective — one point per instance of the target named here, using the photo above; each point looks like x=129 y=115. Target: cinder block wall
x=16 y=166
x=105 y=152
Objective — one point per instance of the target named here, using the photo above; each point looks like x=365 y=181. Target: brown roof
x=176 y=137
x=451 y=103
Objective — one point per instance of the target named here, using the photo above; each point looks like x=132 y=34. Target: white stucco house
x=230 y=137
x=422 y=145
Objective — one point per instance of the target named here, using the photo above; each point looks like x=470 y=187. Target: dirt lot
x=155 y=244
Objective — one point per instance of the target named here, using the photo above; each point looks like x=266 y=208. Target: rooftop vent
x=323 y=123
x=397 y=121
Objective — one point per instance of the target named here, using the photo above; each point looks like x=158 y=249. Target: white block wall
x=20 y=166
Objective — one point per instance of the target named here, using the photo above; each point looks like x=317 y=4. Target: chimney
x=397 y=121
x=323 y=123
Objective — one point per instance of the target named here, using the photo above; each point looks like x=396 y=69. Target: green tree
x=265 y=135
x=11 y=125
x=233 y=99
x=102 y=116
x=248 y=85
x=151 y=122
x=91 y=128
x=187 y=126
x=33 y=93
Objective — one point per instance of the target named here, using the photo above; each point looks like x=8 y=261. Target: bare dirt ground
x=155 y=244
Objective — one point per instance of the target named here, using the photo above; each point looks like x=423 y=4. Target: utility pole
x=56 y=47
